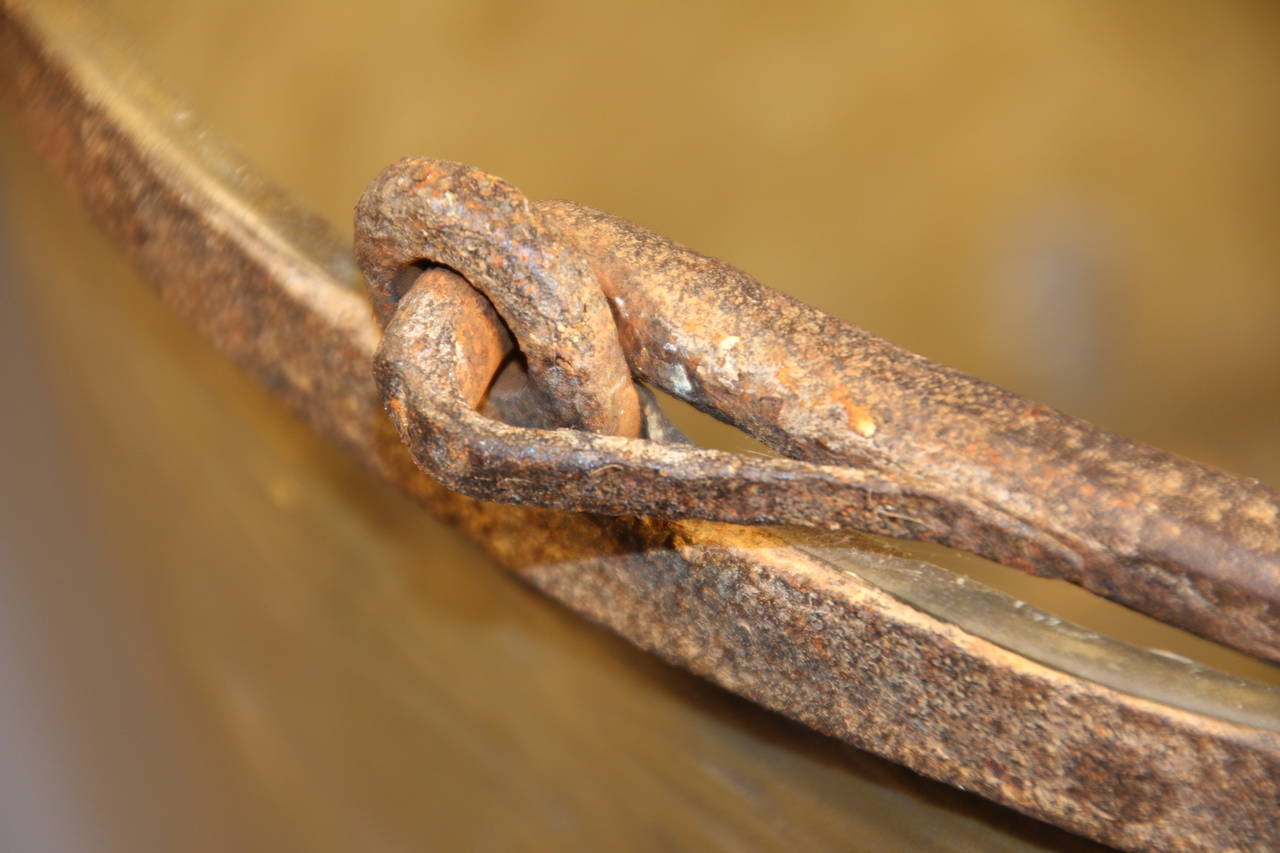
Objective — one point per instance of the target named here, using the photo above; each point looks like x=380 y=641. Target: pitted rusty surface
x=481 y=226
x=777 y=627
x=274 y=290
x=893 y=443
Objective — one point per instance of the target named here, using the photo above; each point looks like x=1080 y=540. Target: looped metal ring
x=445 y=213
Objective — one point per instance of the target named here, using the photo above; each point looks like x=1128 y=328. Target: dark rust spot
x=1122 y=787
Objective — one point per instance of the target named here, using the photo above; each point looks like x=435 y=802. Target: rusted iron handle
x=438 y=357
x=893 y=443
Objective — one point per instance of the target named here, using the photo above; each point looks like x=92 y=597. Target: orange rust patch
x=859 y=419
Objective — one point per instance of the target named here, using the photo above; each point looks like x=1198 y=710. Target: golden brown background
x=217 y=634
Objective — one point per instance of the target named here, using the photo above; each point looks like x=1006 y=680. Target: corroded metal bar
x=891 y=442
x=1127 y=747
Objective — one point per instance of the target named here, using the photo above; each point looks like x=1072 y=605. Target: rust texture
x=893 y=443
x=274 y=290
x=544 y=290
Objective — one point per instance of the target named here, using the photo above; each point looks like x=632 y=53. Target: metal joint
x=881 y=440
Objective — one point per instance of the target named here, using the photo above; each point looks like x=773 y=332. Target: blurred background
x=216 y=633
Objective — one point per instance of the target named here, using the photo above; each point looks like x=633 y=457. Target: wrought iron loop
x=877 y=438
x=547 y=293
